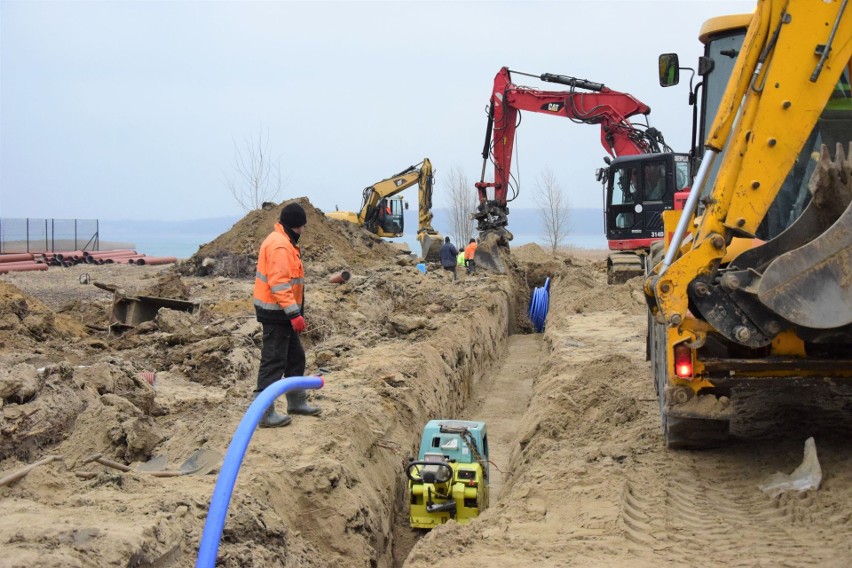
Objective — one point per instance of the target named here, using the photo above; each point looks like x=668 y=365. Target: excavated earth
x=580 y=476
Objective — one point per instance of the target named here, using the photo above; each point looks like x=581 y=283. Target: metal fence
x=48 y=235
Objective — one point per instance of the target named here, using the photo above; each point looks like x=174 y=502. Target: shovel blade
x=157 y=463
x=201 y=462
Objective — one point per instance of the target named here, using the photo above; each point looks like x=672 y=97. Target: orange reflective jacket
x=279 y=283
x=469 y=251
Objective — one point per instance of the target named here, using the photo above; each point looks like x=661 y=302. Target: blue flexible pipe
x=209 y=547
x=539 y=304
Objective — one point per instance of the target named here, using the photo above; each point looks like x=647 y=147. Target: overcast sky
x=119 y=110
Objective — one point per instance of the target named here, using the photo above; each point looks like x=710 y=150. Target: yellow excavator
x=752 y=287
x=382 y=208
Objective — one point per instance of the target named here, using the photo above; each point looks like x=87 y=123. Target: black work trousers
x=282 y=354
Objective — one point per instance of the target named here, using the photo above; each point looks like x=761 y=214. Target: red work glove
x=299 y=325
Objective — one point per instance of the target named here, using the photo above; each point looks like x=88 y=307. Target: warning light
x=683 y=361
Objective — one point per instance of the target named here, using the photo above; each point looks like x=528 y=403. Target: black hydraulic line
x=827 y=47
x=486 y=150
x=572 y=82
x=565 y=80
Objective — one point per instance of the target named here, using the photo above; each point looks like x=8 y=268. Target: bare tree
x=256 y=175
x=463 y=202
x=554 y=208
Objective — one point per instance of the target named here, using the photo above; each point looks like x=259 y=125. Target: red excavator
x=634 y=199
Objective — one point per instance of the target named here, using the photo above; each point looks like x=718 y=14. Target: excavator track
x=621 y=266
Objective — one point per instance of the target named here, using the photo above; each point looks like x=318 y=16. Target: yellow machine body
x=449 y=479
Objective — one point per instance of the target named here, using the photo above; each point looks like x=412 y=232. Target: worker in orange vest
x=469 y=252
x=279 y=289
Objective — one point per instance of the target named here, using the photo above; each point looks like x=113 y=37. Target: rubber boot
x=272 y=419
x=297 y=403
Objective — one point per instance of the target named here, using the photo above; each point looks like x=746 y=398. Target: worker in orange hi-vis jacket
x=279 y=289
x=469 y=252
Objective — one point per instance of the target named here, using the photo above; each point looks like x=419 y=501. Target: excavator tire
x=682 y=433
x=679 y=433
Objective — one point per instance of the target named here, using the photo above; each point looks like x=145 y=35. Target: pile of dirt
x=26 y=322
x=328 y=245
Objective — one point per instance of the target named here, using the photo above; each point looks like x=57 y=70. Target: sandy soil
x=580 y=473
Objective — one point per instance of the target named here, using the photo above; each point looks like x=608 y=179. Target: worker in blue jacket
x=448 y=256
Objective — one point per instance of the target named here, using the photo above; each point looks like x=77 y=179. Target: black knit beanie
x=293 y=216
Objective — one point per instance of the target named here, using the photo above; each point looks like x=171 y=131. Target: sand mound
x=327 y=244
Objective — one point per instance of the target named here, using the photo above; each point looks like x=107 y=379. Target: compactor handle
x=441 y=474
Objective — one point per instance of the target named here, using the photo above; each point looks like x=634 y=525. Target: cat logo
x=552 y=107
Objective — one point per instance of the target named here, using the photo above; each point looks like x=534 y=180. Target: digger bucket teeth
x=810 y=284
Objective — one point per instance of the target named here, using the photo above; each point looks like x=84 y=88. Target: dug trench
x=398 y=347
x=580 y=476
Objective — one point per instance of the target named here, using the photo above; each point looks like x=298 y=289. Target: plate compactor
x=449 y=479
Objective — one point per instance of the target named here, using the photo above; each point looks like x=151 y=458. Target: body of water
x=182 y=239
x=178 y=246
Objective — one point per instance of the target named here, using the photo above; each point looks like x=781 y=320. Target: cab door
x=623 y=221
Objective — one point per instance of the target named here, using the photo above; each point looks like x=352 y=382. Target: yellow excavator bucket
x=430 y=244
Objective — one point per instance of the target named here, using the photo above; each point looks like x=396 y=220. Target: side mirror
x=705 y=65
x=669 y=69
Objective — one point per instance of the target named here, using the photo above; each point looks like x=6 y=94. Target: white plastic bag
x=807 y=476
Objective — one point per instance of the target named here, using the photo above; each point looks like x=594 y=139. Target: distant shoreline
x=60 y=245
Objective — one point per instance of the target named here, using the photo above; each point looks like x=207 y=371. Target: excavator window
x=390 y=215
x=655 y=182
x=628 y=180
x=832 y=127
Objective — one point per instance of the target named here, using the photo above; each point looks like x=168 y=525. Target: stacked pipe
x=40 y=261
x=20 y=262
x=109 y=256
x=152 y=260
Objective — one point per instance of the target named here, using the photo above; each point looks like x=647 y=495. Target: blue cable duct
x=539 y=304
x=209 y=547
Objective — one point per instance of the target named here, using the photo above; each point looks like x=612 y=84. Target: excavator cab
x=639 y=188
x=389 y=221
x=637 y=191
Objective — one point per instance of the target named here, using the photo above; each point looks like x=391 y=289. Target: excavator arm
x=791 y=62
x=430 y=240
x=586 y=102
x=374 y=194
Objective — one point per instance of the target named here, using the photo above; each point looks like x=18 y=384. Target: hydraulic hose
x=539 y=304
x=209 y=547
